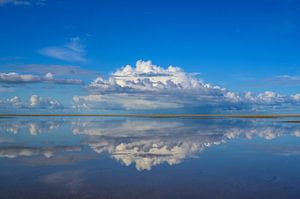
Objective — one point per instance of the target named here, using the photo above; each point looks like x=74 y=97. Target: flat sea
x=131 y=157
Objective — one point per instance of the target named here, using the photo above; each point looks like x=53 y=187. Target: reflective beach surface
x=102 y=157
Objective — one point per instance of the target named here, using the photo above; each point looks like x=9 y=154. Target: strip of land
x=159 y=115
x=292 y=121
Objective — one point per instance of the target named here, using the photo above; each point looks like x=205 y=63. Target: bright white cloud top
x=144 y=86
x=148 y=86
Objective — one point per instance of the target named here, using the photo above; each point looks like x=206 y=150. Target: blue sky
x=239 y=46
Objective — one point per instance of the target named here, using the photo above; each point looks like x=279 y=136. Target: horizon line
x=157 y=115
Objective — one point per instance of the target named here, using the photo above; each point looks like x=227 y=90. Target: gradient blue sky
x=238 y=45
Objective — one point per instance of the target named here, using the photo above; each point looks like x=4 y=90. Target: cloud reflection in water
x=141 y=142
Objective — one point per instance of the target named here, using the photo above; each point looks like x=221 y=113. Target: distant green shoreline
x=160 y=115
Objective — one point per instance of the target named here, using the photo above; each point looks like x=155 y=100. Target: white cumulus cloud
x=148 y=86
x=34 y=101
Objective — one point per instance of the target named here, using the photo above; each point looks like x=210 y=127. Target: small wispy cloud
x=73 y=51
x=285 y=80
x=16 y=78
x=22 y=2
x=40 y=69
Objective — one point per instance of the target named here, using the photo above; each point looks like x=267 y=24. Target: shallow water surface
x=102 y=157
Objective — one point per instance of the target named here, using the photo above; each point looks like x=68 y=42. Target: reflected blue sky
x=187 y=158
